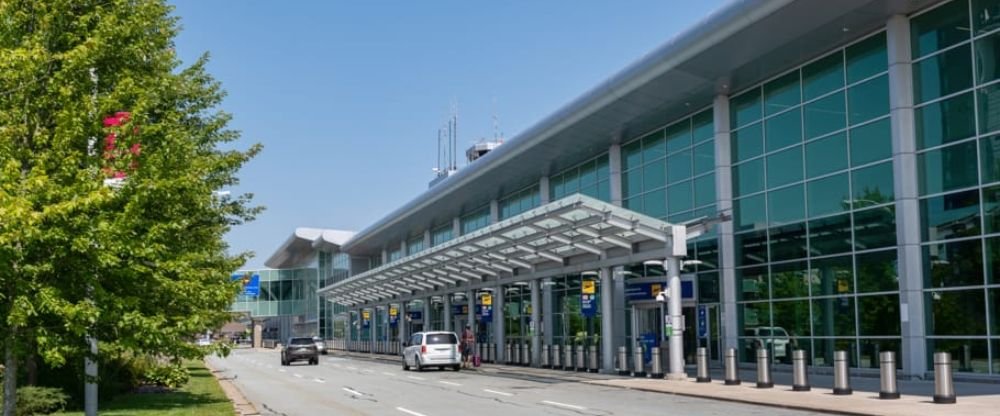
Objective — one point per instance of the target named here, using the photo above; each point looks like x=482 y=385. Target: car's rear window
x=442 y=339
x=302 y=341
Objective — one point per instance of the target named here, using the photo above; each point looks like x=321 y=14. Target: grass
x=201 y=396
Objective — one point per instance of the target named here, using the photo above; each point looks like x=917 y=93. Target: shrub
x=167 y=375
x=40 y=400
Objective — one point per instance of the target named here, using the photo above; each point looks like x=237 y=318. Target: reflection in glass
x=788 y=242
x=877 y=271
x=871 y=142
x=875 y=228
x=961 y=312
x=948 y=168
x=788 y=280
x=942 y=74
x=878 y=315
x=866 y=58
x=833 y=317
x=826 y=155
x=822 y=76
x=945 y=121
x=967 y=355
x=950 y=216
x=939 y=28
x=750 y=248
x=955 y=263
x=831 y=276
x=825 y=115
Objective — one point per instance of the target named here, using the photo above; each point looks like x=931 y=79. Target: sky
x=347 y=97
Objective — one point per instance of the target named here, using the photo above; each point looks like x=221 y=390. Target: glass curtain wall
x=519 y=202
x=282 y=292
x=591 y=178
x=569 y=326
x=441 y=234
x=956 y=66
x=475 y=220
x=414 y=245
x=517 y=312
x=814 y=219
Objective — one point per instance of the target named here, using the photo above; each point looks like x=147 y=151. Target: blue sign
x=393 y=317
x=702 y=321
x=459 y=310
x=486 y=313
x=415 y=315
x=588 y=305
x=648 y=341
x=251 y=283
x=648 y=291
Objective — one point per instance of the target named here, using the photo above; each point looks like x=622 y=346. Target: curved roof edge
x=716 y=26
x=301 y=246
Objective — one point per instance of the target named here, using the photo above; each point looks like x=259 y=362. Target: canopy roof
x=300 y=248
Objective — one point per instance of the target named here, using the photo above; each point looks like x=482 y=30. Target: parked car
x=320 y=345
x=432 y=349
x=299 y=349
x=775 y=338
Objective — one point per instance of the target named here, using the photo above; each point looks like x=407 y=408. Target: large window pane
x=704 y=158
x=942 y=74
x=654 y=175
x=753 y=284
x=877 y=271
x=702 y=126
x=786 y=205
x=679 y=166
x=822 y=76
x=749 y=177
x=991 y=209
x=832 y=276
x=749 y=214
x=945 y=121
x=632 y=155
x=632 y=182
x=988 y=58
x=826 y=155
x=830 y=235
x=939 y=28
x=704 y=190
x=868 y=100
x=823 y=350
x=783 y=130
x=957 y=263
x=985 y=16
x=951 y=312
x=825 y=115
x=879 y=315
x=828 y=195
x=654 y=204
x=866 y=58
x=751 y=248
x=872 y=185
x=978 y=357
x=679 y=136
x=875 y=228
x=950 y=216
x=833 y=317
x=788 y=280
x=788 y=242
x=782 y=93
x=745 y=108
x=989 y=108
x=747 y=143
x=679 y=197
x=793 y=316
x=989 y=153
x=994 y=305
x=949 y=168
x=708 y=287
x=653 y=146
x=871 y=142
x=784 y=167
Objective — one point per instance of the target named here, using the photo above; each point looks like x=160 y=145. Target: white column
x=676 y=339
x=498 y=324
x=427 y=314
x=615 y=173
x=446 y=300
x=471 y=301
x=724 y=202
x=427 y=239
x=535 y=327
x=543 y=190
x=607 y=323
x=494 y=211
x=404 y=325
x=456 y=227
x=904 y=165
x=547 y=315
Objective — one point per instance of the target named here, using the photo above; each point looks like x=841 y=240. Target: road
x=354 y=386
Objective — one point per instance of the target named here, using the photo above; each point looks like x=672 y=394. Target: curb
x=241 y=406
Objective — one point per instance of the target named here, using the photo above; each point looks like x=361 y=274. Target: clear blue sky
x=347 y=96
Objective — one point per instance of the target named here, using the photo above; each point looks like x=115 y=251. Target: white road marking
x=449 y=383
x=498 y=392
x=356 y=393
x=569 y=406
x=416 y=378
x=388 y=374
x=319 y=380
x=410 y=412
x=351 y=368
x=282 y=370
x=297 y=375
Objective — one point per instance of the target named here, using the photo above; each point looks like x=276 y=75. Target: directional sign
x=702 y=321
x=589 y=287
x=588 y=305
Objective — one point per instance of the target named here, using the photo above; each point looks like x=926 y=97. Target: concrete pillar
x=607 y=321
x=456 y=227
x=258 y=333
x=904 y=165
x=543 y=190
x=428 y=243
x=471 y=320
x=494 y=211
x=724 y=202
x=404 y=324
x=535 y=327
x=402 y=248
x=676 y=339
x=498 y=323
x=548 y=320
x=446 y=300
x=385 y=256
x=618 y=302
x=427 y=314
x=615 y=173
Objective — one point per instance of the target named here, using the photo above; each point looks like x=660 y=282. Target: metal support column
x=724 y=202
x=499 y=337
x=470 y=300
x=446 y=300
x=676 y=339
x=427 y=314
x=607 y=324
x=533 y=328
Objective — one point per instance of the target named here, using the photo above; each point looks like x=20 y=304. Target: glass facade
x=477 y=219
x=814 y=218
x=957 y=119
x=670 y=173
x=441 y=234
x=519 y=202
x=590 y=178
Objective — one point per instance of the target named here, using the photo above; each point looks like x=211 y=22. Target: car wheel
x=456 y=367
x=420 y=367
x=405 y=366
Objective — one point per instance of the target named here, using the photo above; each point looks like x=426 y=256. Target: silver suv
x=432 y=349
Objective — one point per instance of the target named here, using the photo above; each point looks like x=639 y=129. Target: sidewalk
x=974 y=399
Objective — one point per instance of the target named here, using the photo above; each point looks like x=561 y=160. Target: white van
x=432 y=349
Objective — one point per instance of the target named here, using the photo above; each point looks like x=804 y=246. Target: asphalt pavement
x=356 y=386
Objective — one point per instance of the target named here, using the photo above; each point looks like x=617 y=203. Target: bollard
x=594 y=364
x=516 y=359
x=763 y=369
x=507 y=353
x=800 y=378
x=580 y=359
x=491 y=352
x=703 y=376
x=556 y=362
x=841 y=379
x=622 y=361
x=639 y=369
x=966 y=358
x=887 y=370
x=526 y=353
x=944 y=389
x=568 y=357
x=545 y=356
x=656 y=368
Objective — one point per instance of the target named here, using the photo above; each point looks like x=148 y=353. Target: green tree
x=143 y=265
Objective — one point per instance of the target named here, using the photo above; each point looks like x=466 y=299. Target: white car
x=432 y=349
x=320 y=345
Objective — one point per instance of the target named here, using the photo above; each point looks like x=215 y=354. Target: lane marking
x=416 y=378
x=498 y=392
x=410 y=412
x=282 y=370
x=449 y=383
x=351 y=368
x=388 y=374
x=354 y=392
x=319 y=380
x=569 y=406
x=297 y=375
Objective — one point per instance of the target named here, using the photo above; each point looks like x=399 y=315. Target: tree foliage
x=144 y=266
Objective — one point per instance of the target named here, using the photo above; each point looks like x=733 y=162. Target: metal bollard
x=526 y=353
x=656 y=370
x=800 y=378
x=887 y=370
x=703 y=376
x=594 y=366
x=491 y=352
x=516 y=358
x=568 y=357
x=545 y=356
x=556 y=358
x=764 y=369
x=622 y=361
x=966 y=358
x=639 y=367
x=580 y=359
x=944 y=389
x=841 y=379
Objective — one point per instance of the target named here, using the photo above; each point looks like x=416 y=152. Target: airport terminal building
x=816 y=175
